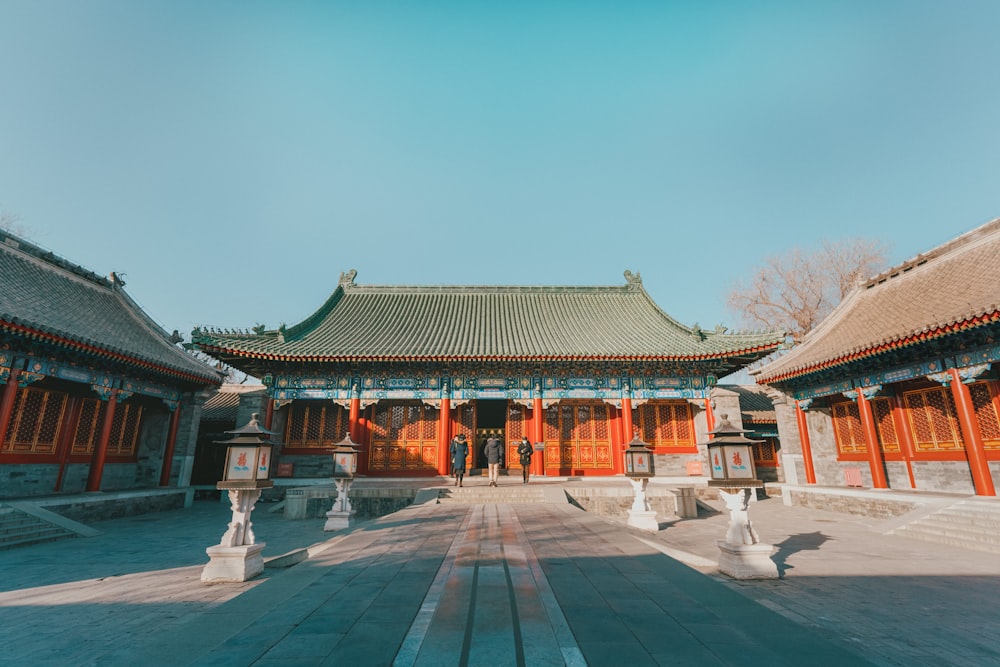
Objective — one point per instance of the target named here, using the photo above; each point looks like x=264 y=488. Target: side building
x=403 y=369
x=898 y=387
x=94 y=395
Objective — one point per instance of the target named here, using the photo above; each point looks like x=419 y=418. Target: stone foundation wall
x=316 y=501
x=86 y=509
x=859 y=502
x=617 y=501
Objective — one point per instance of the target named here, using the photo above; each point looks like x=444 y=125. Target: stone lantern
x=639 y=468
x=732 y=471
x=238 y=557
x=345 y=465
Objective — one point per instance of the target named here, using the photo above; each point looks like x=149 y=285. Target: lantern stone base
x=338 y=520
x=747 y=561
x=644 y=520
x=233 y=563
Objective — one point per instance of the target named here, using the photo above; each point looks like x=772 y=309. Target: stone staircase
x=483 y=494
x=969 y=524
x=19 y=528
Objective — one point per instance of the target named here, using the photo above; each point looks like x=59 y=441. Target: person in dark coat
x=525 y=450
x=494 y=452
x=459 y=454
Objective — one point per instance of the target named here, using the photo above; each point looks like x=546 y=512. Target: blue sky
x=232 y=158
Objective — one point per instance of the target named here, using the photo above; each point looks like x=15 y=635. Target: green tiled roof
x=368 y=322
x=46 y=298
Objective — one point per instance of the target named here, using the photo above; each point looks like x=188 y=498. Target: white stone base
x=337 y=520
x=644 y=520
x=747 y=561
x=233 y=563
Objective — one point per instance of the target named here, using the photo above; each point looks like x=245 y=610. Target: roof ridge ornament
x=347 y=278
x=634 y=279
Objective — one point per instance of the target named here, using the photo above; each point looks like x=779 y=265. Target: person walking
x=459 y=454
x=525 y=450
x=494 y=452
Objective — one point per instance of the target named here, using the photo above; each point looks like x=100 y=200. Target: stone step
x=481 y=494
x=952 y=520
x=968 y=524
x=950 y=531
x=19 y=529
x=960 y=542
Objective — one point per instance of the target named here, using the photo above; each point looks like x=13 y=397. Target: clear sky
x=233 y=158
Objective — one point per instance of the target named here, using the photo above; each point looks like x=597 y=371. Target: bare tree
x=796 y=290
x=11 y=223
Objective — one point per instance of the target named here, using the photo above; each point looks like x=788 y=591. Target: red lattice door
x=404 y=437
x=577 y=436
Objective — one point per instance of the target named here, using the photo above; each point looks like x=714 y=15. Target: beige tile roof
x=951 y=288
x=366 y=322
x=44 y=297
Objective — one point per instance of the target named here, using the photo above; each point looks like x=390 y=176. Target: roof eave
x=864 y=353
x=65 y=341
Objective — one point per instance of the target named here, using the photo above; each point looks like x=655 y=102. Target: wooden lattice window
x=126 y=426
x=125 y=429
x=933 y=420
x=466 y=421
x=984 y=400
x=315 y=424
x=88 y=426
x=882 y=410
x=36 y=421
x=765 y=452
x=665 y=424
x=847 y=428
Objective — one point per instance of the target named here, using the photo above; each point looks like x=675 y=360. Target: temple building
x=404 y=369
x=94 y=395
x=898 y=387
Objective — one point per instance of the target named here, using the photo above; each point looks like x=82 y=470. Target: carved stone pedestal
x=640 y=515
x=340 y=516
x=743 y=556
x=747 y=561
x=237 y=557
x=239 y=563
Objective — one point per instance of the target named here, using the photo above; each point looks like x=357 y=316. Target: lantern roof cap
x=726 y=433
x=252 y=427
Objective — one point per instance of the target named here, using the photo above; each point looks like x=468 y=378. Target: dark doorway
x=491 y=420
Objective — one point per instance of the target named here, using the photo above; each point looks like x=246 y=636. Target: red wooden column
x=538 y=424
x=7 y=403
x=807 y=457
x=269 y=414
x=627 y=418
x=709 y=415
x=353 y=418
x=168 y=452
x=905 y=435
x=875 y=461
x=614 y=432
x=101 y=450
x=444 y=437
x=972 y=436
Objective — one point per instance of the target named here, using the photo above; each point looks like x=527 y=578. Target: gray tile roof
x=368 y=322
x=755 y=406
x=45 y=297
x=952 y=288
